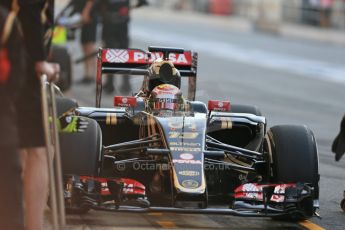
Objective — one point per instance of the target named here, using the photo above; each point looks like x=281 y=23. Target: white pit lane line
x=261 y=58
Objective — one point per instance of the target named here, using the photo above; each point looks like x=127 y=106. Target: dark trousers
x=115 y=36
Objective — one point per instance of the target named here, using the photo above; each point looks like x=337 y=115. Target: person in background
x=325 y=13
x=338 y=146
x=88 y=38
x=115 y=35
x=36 y=18
x=12 y=72
x=115 y=19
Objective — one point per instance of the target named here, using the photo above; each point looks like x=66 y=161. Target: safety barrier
x=56 y=195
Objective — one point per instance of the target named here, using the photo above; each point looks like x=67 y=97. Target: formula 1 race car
x=156 y=151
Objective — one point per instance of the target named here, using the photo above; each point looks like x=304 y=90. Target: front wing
x=250 y=200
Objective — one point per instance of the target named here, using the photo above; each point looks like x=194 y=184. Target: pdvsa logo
x=175 y=58
x=117 y=56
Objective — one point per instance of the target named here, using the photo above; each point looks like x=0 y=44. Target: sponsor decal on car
x=185 y=135
x=125 y=101
x=186 y=156
x=190 y=184
x=188 y=144
x=117 y=56
x=185 y=149
x=254 y=191
x=111 y=119
x=176 y=58
x=181 y=161
x=251 y=190
x=221 y=106
x=130 y=186
x=189 y=173
x=279 y=189
x=142 y=57
x=226 y=123
x=173 y=125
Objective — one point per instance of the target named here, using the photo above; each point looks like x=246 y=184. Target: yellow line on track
x=166 y=224
x=155 y=214
x=310 y=225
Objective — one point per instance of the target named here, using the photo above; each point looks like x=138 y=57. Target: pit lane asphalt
x=292 y=81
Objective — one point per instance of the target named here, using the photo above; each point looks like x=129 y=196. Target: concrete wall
x=266 y=12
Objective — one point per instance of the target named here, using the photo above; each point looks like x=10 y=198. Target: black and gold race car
x=158 y=151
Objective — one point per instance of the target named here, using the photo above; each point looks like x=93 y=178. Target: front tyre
x=294 y=158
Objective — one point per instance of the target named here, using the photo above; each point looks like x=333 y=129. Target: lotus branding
x=186 y=156
x=190 y=184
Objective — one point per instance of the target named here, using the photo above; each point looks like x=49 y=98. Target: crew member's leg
x=35 y=176
x=124 y=43
x=88 y=42
x=109 y=41
x=115 y=36
x=11 y=205
x=33 y=153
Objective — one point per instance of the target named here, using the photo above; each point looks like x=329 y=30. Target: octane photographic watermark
x=148 y=166
x=120 y=167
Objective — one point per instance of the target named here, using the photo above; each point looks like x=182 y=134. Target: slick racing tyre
x=61 y=56
x=65 y=104
x=81 y=153
x=294 y=158
x=246 y=109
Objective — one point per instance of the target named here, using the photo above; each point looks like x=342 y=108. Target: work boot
x=338 y=146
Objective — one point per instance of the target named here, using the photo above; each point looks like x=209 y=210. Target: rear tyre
x=294 y=158
x=246 y=109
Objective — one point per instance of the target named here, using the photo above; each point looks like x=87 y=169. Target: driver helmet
x=163 y=72
x=166 y=97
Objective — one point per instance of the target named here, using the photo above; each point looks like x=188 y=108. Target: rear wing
x=137 y=62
